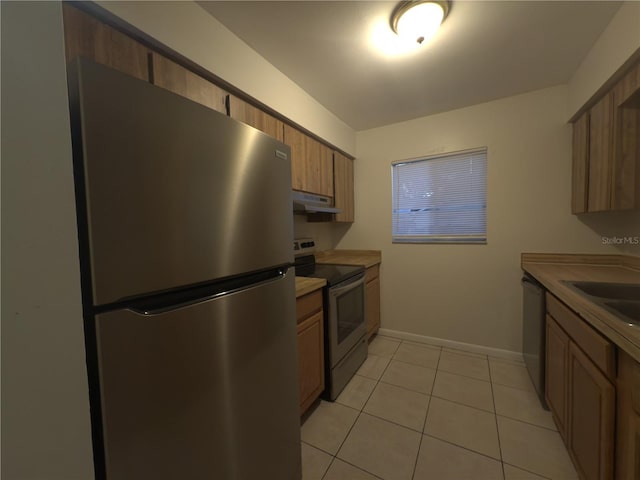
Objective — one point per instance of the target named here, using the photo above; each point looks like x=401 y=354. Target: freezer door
x=175 y=193
x=206 y=391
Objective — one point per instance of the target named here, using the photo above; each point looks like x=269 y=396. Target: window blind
x=441 y=199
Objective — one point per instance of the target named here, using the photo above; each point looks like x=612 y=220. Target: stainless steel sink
x=629 y=309
x=621 y=299
x=611 y=291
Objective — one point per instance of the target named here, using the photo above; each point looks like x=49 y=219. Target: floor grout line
x=515 y=388
x=465 y=376
x=495 y=418
x=360 y=412
x=526 y=470
x=359 y=468
x=405 y=388
x=464 y=448
x=426 y=415
x=526 y=423
x=463 y=404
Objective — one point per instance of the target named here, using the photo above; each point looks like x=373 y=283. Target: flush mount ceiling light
x=419 y=20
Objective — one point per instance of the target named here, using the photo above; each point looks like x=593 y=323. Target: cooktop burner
x=332 y=273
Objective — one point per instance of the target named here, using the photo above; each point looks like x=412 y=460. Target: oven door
x=346 y=317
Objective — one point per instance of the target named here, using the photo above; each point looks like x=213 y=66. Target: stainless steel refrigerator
x=185 y=229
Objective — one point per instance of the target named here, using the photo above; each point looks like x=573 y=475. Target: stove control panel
x=303 y=246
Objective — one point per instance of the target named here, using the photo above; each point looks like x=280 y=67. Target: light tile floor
x=415 y=412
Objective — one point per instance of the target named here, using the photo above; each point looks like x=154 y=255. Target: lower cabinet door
x=627 y=418
x=556 y=370
x=591 y=417
x=311 y=360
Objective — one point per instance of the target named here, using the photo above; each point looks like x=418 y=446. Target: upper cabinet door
x=580 y=161
x=311 y=163
x=88 y=37
x=246 y=113
x=625 y=193
x=343 y=187
x=601 y=154
x=177 y=79
x=628 y=87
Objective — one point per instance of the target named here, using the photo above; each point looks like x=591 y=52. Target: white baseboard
x=469 y=347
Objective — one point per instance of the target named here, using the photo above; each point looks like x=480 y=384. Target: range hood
x=310 y=203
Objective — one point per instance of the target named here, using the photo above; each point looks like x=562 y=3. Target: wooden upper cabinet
x=88 y=37
x=606 y=150
x=343 y=187
x=628 y=87
x=247 y=113
x=580 y=160
x=601 y=134
x=625 y=193
x=311 y=163
x=324 y=169
x=176 y=78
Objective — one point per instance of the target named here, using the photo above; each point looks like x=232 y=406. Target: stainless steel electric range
x=344 y=321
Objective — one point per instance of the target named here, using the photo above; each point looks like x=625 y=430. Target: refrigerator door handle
x=166 y=303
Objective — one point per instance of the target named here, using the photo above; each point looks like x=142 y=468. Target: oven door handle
x=338 y=291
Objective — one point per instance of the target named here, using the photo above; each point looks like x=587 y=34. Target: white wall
x=615 y=45
x=189 y=30
x=472 y=293
x=45 y=404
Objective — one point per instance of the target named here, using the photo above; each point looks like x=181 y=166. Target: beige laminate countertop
x=552 y=270
x=306 y=285
x=366 y=258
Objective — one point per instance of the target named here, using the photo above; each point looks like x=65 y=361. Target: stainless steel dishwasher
x=533 y=332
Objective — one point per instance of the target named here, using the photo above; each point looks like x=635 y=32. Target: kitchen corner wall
x=45 y=403
x=472 y=293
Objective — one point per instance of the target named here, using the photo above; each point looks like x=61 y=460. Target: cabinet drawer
x=372 y=273
x=599 y=349
x=308 y=304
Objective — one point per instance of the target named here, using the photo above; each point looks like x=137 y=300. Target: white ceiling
x=484 y=50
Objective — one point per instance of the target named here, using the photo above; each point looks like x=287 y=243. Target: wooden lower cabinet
x=310 y=348
x=556 y=374
x=591 y=407
x=580 y=392
x=627 y=419
x=372 y=299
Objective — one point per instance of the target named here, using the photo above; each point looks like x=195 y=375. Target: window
x=441 y=199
